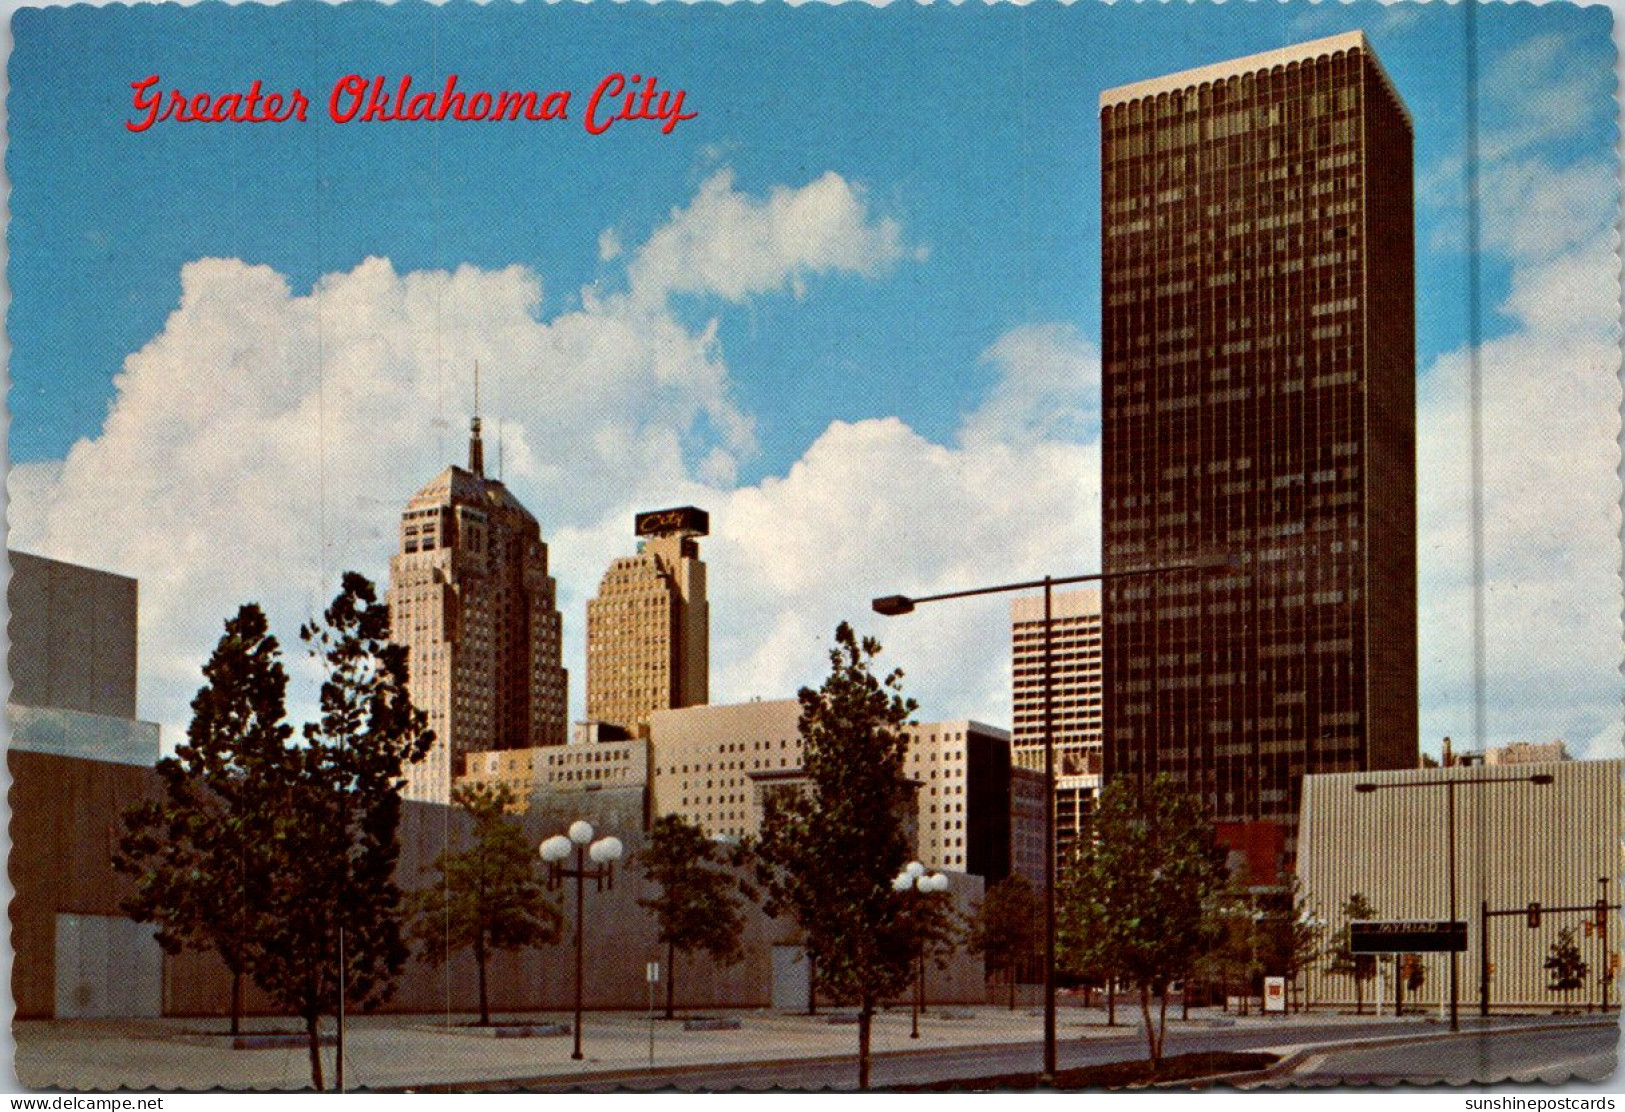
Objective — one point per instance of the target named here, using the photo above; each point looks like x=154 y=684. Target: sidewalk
x=396 y=1051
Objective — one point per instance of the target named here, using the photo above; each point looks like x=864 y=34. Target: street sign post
x=1408 y=936
x=651 y=973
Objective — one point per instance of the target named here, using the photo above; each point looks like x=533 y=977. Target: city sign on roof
x=686 y=521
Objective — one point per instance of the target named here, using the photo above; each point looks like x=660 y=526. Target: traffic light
x=1534 y=914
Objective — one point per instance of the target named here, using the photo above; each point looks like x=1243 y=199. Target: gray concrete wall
x=73 y=637
x=65 y=824
x=107 y=966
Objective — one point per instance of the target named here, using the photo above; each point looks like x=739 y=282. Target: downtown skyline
x=873 y=358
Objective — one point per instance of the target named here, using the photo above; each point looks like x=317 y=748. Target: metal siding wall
x=1514 y=843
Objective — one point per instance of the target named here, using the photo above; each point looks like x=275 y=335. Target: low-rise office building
x=601 y=758
x=718 y=765
x=1387 y=837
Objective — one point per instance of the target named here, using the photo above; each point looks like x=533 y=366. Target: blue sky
x=954 y=292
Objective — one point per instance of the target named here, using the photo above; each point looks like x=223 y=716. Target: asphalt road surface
x=1473 y=1056
x=1588 y=1053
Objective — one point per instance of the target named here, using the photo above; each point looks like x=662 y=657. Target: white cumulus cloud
x=266 y=439
x=1549 y=417
x=733 y=245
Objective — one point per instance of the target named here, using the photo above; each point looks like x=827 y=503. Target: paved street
x=1426 y=1052
x=1589 y=1053
x=791 y=1051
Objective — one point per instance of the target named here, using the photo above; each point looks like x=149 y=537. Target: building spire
x=476 y=449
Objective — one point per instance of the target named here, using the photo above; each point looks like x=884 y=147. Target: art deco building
x=1258 y=294
x=470 y=596
x=648 y=631
x=1076 y=702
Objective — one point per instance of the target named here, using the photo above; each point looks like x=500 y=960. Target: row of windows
x=1325 y=85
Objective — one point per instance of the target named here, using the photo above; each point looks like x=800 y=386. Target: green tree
x=488 y=896
x=1566 y=965
x=1290 y=935
x=1415 y=972
x=1230 y=956
x=699 y=907
x=1083 y=943
x=1141 y=885
x=933 y=927
x=1342 y=961
x=333 y=928
x=201 y=854
x=827 y=855
x=1007 y=929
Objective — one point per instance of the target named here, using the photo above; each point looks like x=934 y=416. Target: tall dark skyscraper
x=1259 y=344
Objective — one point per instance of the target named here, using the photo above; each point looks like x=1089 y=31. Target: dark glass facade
x=1258 y=329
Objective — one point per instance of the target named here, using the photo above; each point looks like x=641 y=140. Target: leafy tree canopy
x=699 y=909
x=489 y=895
x=202 y=854
x=828 y=853
x=1565 y=963
x=1136 y=898
x=1008 y=926
x=336 y=846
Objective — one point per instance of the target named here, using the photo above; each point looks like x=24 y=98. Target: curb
x=1295 y=1055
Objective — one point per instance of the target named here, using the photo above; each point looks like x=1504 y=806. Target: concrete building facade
x=598 y=759
x=718 y=765
x=471 y=598
x=714 y=765
x=964 y=804
x=73 y=663
x=1517 y=843
x=78 y=758
x=1077 y=703
x=649 y=628
x=1259 y=404
x=73 y=637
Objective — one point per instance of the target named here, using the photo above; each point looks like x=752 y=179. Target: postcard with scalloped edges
x=617 y=547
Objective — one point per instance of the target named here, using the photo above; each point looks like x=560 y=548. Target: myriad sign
x=1408 y=936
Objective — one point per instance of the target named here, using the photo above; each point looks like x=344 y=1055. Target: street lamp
x=603 y=853
x=892 y=606
x=1449 y=785
x=914 y=878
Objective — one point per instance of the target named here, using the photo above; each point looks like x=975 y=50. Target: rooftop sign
x=685 y=520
